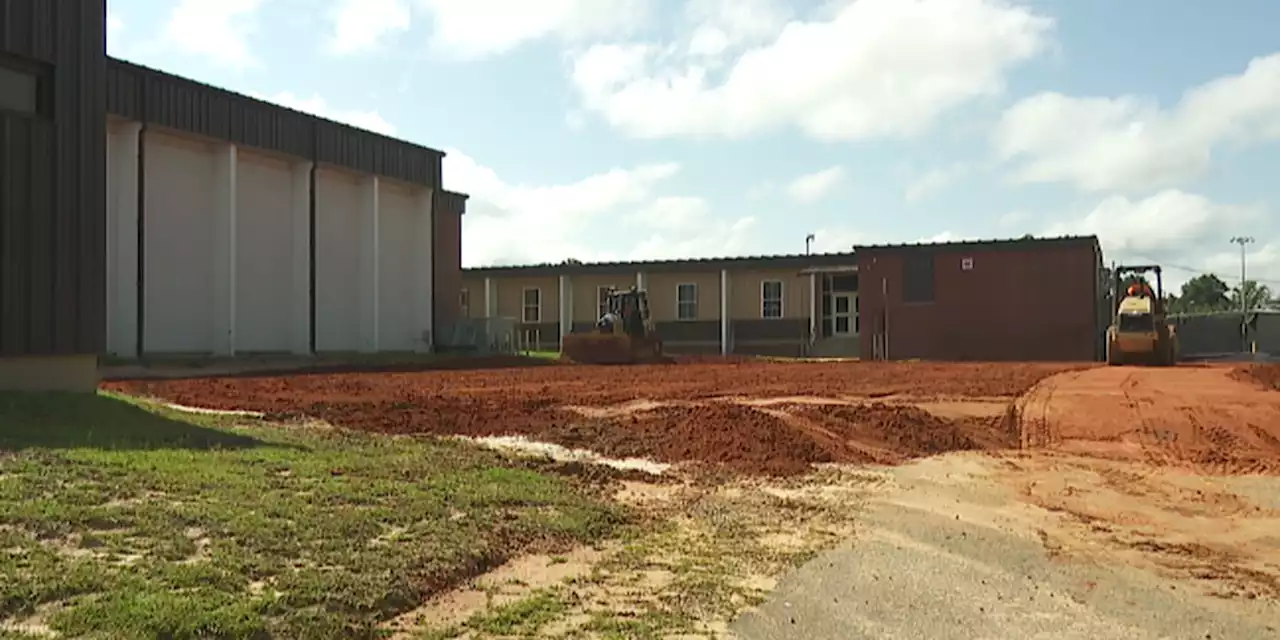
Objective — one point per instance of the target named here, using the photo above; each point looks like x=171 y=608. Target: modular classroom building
x=142 y=213
x=1026 y=299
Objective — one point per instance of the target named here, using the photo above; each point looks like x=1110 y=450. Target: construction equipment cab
x=624 y=334
x=1140 y=332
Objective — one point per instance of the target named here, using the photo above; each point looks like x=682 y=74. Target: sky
x=656 y=129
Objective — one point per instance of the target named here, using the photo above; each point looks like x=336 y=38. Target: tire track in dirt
x=1199 y=418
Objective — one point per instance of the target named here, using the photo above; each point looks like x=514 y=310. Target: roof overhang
x=841 y=268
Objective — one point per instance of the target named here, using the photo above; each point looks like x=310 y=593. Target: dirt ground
x=747 y=416
x=780 y=418
x=1087 y=501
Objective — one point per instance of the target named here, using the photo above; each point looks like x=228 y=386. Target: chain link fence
x=1227 y=334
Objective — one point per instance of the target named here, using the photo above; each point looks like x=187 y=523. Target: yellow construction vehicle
x=1140 y=332
x=625 y=334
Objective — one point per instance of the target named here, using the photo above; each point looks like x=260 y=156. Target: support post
x=642 y=283
x=813 y=308
x=122 y=243
x=490 y=298
x=566 y=307
x=369 y=266
x=726 y=340
x=224 y=251
x=300 y=232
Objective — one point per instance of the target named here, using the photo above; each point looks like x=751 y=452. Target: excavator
x=1140 y=332
x=625 y=334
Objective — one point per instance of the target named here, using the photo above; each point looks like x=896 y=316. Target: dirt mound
x=1267 y=375
x=1198 y=418
x=890 y=434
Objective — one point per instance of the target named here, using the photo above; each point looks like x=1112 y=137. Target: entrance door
x=845 y=314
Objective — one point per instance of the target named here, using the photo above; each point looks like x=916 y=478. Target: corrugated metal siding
x=1012 y=305
x=148 y=95
x=447 y=263
x=27 y=28
x=52 y=210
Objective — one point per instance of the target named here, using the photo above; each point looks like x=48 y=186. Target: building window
x=532 y=311
x=771 y=299
x=602 y=299
x=464 y=303
x=19 y=89
x=687 y=301
x=917 y=278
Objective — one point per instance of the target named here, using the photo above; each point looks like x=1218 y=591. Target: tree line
x=1207 y=293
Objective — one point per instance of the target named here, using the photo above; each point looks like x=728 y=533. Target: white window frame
x=525 y=306
x=464 y=303
x=602 y=300
x=680 y=303
x=782 y=297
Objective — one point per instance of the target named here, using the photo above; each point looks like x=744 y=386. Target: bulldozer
x=1140 y=332
x=625 y=334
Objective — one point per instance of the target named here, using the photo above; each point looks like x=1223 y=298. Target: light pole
x=808 y=240
x=1242 y=241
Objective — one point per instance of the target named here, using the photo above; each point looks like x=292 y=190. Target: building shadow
x=71 y=420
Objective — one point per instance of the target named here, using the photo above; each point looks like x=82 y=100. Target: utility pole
x=1243 y=241
x=808 y=240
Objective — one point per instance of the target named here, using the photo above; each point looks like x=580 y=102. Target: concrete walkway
x=953 y=553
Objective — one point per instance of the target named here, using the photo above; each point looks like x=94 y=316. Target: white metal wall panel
x=338 y=210
x=398 y=234
x=178 y=272
x=122 y=246
x=264 y=253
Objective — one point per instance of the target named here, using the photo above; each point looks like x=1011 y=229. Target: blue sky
x=670 y=128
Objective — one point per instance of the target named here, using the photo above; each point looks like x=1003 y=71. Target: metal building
x=52 y=192
x=231 y=226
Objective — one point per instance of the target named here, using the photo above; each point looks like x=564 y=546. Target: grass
x=119 y=519
x=542 y=355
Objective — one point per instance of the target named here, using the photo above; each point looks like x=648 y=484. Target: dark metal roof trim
x=149 y=95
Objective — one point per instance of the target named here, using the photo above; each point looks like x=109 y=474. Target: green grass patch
x=123 y=520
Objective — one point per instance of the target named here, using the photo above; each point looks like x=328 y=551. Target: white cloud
x=315 y=105
x=1130 y=143
x=508 y=223
x=360 y=25
x=115 y=28
x=933 y=181
x=1178 y=229
x=672 y=214
x=868 y=68
x=218 y=30
x=815 y=186
x=468 y=29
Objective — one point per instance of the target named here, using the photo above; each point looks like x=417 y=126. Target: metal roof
x=782 y=261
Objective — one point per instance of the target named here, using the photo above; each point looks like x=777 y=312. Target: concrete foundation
x=78 y=373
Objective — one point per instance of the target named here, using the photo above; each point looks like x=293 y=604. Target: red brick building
x=1027 y=299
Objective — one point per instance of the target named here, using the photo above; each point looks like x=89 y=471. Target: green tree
x=1203 y=294
x=1251 y=295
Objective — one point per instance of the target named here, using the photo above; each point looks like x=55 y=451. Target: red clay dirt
x=532 y=401
x=1267 y=375
x=1200 y=418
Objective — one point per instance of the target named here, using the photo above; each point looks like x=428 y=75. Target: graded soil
x=703 y=425
x=1199 y=418
x=1267 y=375
x=780 y=418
